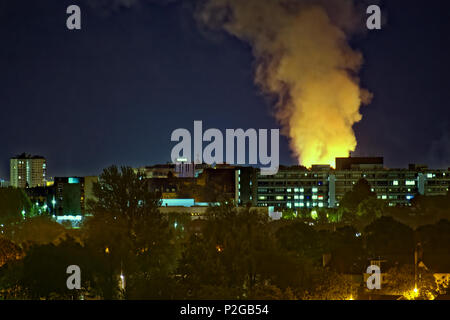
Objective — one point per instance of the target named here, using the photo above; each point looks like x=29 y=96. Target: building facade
x=324 y=187
x=28 y=171
x=72 y=195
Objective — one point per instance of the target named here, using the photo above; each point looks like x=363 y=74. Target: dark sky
x=113 y=92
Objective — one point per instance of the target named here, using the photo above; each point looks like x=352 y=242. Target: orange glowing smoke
x=303 y=60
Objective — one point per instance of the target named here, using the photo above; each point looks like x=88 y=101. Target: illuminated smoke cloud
x=304 y=61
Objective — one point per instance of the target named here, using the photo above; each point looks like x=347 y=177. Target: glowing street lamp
x=122 y=281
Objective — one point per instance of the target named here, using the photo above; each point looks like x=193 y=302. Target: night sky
x=113 y=92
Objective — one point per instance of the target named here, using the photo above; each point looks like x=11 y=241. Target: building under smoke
x=323 y=187
x=298 y=187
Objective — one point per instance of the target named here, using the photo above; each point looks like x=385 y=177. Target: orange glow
x=307 y=63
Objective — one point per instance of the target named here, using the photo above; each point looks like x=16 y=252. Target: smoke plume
x=304 y=61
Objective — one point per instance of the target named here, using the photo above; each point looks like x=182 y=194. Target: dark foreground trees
x=41 y=274
x=14 y=203
x=133 y=242
x=128 y=249
x=237 y=257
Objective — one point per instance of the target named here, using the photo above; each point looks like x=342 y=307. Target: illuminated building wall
x=72 y=194
x=321 y=186
x=28 y=171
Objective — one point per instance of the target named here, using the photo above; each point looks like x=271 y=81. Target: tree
x=37 y=230
x=387 y=237
x=368 y=210
x=42 y=273
x=300 y=238
x=236 y=253
x=14 y=203
x=361 y=191
x=347 y=252
x=271 y=292
x=436 y=256
x=399 y=280
x=130 y=236
x=9 y=251
x=329 y=285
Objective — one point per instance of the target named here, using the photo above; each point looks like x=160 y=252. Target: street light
x=122 y=281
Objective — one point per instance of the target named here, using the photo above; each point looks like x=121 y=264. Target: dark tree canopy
x=361 y=191
x=12 y=202
x=389 y=238
x=129 y=234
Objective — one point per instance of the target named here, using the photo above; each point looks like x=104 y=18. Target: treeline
x=129 y=250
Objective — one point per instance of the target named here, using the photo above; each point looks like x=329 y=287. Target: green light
x=74 y=180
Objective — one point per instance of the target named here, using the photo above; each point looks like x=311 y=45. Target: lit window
x=395 y=182
x=410 y=182
x=314 y=189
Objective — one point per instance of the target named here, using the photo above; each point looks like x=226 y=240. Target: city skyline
x=224 y=157
x=80 y=108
